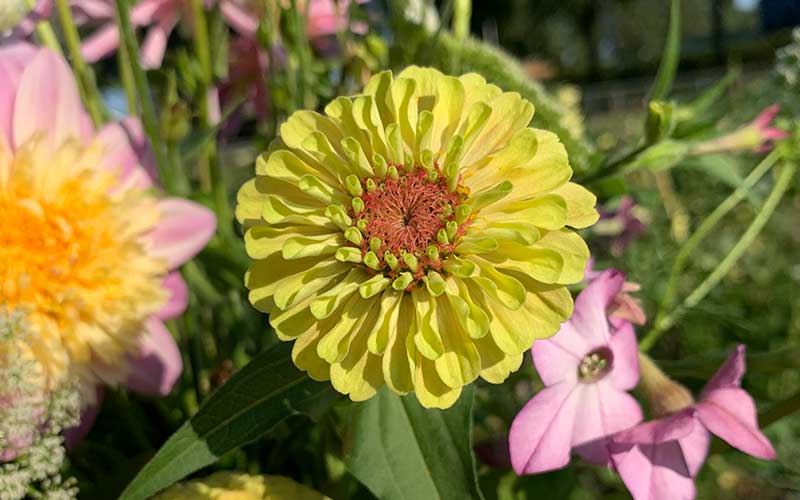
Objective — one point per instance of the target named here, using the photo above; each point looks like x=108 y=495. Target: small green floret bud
x=371 y=185
x=354 y=185
x=362 y=225
x=411 y=261
x=392 y=172
x=353 y=235
x=402 y=282
x=452 y=229
x=391 y=260
x=433 y=253
x=358 y=205
x=441 y=237
x=371 y=260
x=375 y=244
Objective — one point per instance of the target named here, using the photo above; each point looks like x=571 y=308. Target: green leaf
x=254 y=400
x=402 y=451
x=671 y=55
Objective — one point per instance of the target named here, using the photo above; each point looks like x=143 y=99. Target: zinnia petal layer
x=415 y=235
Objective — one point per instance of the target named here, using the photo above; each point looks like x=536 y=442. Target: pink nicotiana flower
x=660 y=459
x=624 y=306
x=759 y=136
x=587 y=369
x=86 y=231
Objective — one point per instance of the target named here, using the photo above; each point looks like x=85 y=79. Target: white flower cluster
x=788 y=61
x=31 y=420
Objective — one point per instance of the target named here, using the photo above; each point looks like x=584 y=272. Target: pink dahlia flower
x=90 y=251
x=587 y=369
x=660 y=459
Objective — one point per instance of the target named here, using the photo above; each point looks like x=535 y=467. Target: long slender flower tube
x=89 y=250
x=587 y=369
x=415 y=235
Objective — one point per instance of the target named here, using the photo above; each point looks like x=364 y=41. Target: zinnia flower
x=238 y=486
x=414 y=235
x=659 y=459
x=587 y=369
x=88 y=250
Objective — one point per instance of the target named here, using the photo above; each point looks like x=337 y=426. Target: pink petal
x=158 y=365
x=557 y=358
x=590 y=318
x=155 y=43
x=13 y=59
x=765 y=117
x=184 y=229
x=540 y=435
x=48 y=101
x=654 y=471
x=624 y=372
x=75 y=435
x=125 y=150
x=730 y=373
x=730 y=414
x=101 y=43
x=178 y=297
x=695 y=448
x=93 y=9
x=671 y=428
x=244 y=22
x=603 y=410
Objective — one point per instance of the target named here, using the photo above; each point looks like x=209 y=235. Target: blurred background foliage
x=588 y=66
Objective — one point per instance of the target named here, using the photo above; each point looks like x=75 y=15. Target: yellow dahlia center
x=73 y=256
x=407 y=221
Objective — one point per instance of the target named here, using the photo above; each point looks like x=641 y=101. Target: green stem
x=128 y=83
x=201 y=42
x=45 y=32
x=149 y=120
x=722 y=269
x=91 y=96
x=708 y=224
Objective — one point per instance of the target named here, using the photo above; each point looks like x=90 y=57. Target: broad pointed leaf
x=254 y=400
x=402 y=451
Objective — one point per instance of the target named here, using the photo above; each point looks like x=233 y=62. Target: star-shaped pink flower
x=587 y=368
x=659 y=459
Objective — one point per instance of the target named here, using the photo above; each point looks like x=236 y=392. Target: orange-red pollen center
x=408 y=214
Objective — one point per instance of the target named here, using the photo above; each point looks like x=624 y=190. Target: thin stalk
x=91 y=95
x=727 y=263
x=44 y=30
x=128 y=83
x=149 y=120
x=688 y=248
